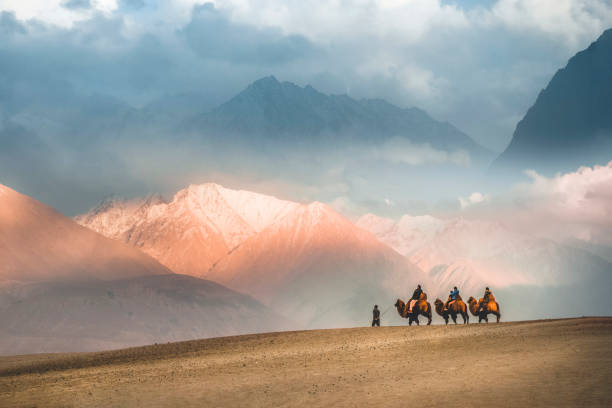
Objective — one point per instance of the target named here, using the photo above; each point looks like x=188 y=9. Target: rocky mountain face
x=64 y=287
x=570 y=124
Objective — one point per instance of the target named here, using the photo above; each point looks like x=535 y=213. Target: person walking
x=375 y=316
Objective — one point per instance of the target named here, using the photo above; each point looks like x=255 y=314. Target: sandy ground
x=540 y=363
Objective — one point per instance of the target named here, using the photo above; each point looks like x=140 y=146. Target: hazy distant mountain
x=306 y=261
x=64 y=287
x=473 y=254
x=570 y=123
x=284 y=112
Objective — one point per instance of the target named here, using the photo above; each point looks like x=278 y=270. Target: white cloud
x=401 y=150
x=474 y=198
x=575 y=205
x=583 y=197
x=53 y=12
x=568 y=19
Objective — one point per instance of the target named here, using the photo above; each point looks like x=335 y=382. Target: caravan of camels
x=453 y=307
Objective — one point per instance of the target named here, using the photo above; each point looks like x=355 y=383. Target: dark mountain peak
x=265 y=83
x=284 y=111
x=605 y=36
x=570 y=123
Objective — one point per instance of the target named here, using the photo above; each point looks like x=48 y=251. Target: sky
x=478 y=64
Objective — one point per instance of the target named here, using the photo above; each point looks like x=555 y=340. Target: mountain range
x=547 y=276
x=311 y=264
x=64 y=287
x=286 y=113
x=305 y=261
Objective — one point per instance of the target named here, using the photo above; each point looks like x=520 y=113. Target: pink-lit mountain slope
x=189 y=234
x=66 y=288
x=305 y=261
x=318 y=268
x=38 y=243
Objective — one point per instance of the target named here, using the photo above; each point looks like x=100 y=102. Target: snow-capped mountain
x=305 y=260
x=197 y=228
x=473 y=254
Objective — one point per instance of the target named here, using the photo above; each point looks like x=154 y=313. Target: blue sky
x=477 y=64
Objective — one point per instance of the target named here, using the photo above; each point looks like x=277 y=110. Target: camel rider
x=376 y=316
x=452 y=297
x=486 y=298
x=415 y=297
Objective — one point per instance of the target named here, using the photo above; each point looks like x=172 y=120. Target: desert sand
x=536 y=363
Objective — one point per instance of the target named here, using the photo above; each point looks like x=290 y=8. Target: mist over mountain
x=570 y=124
x=92 y=145
x=64 y=287
x=534 y=276
x=311 y=264
x=285 y=112
x=319 y=268
x=306 y=261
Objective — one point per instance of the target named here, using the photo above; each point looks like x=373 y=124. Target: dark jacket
x=417 y=294
x=454 y=294
x=376 y=314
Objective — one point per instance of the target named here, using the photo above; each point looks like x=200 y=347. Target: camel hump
x=491 y=298
x=423 y=296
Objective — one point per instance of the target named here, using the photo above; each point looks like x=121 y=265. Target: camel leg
x=454 y=318
x=429 y=318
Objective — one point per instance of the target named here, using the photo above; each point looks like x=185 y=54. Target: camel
x=422 y=307
x=491 y=308
x=456 y=308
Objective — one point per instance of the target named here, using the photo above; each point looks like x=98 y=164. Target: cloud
x=401 y=150
x=212 y=36
x=578 y=203
x=77 y=4
x=9 y=25
x=570 y=20
x=571 y=206
x=480 y=67
x=64 y=73
x=474 y=198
